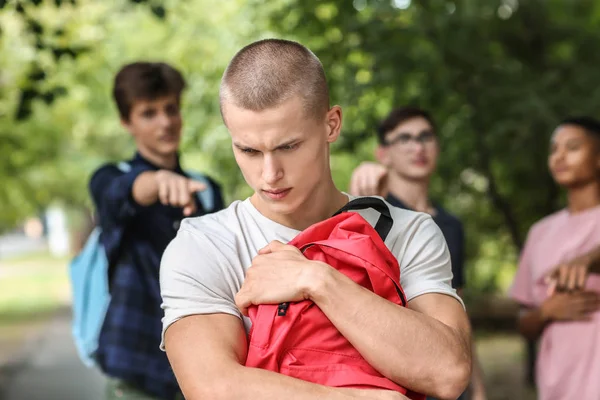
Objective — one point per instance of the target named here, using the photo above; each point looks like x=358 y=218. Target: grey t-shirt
x=204 y=267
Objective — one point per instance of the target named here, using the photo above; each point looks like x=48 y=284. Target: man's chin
x=167 y=149
x=418 y=175
x=283 y=206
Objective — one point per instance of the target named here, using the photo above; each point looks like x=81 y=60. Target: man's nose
x=164 y=119
x=272 y=169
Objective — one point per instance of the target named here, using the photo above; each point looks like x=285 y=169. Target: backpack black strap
x=385 y=222
x=383 y=225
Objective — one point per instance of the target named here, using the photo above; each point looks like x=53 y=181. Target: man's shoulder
x=110 y=170
x=106 y=168
x=405 y=222
x=221 y=227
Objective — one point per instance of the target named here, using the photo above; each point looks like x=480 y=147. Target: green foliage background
x=497 y=74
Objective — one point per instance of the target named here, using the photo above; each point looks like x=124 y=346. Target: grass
x=33 y=286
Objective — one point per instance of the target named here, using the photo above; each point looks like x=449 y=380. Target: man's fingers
x=571 y=278
x=189 y=209
x=552 y=283
x=242 y=301
x=163 y=193
x=195 y=186
x=562 y=277
x=359 y=178
x=273 y=246
x=184 y=194
x=582 y=272
x=366 y=179
x=173 y=192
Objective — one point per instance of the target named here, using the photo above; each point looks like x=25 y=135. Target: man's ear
x=127 y=126
x=382 y=154
x=334 y=123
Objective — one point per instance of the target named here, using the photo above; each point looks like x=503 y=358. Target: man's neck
x=584 y=197
x=322 y=204
x=414 y=194
x=161 y=161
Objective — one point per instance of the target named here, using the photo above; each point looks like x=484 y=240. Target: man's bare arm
x=425 y=347
x=167 y=187
x=207 y=353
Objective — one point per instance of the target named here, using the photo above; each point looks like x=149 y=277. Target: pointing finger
x=195 y=186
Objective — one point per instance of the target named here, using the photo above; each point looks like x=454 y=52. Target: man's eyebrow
x=241 y=146
x=288 y=143
x=280 y=146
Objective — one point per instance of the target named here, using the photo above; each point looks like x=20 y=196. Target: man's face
x=411 y=150
x=574 y=158
x=156 y=125
x=283 y=153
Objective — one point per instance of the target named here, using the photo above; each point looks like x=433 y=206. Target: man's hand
x=177 y=191
x=569 y=276
x=279 y=273
x=369 y=179
x=575 y=306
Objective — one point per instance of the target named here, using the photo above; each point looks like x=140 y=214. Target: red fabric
x=303 y=343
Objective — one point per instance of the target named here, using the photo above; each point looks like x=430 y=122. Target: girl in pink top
x=557 y=282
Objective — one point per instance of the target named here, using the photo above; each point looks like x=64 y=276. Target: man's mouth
x=277 y=194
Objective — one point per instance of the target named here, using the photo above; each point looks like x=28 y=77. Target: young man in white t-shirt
x=275 y=103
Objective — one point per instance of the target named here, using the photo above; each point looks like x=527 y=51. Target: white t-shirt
x=204 y=267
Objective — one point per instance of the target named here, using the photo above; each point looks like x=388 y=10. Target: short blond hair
x=266 y=73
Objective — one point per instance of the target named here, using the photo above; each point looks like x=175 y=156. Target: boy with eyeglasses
x=407 y=153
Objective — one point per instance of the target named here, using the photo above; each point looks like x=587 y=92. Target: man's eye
x=249 y=151
x=403 y=139
x=172 y=110
x=148 y=113
x=426 y=137
x=289 y=147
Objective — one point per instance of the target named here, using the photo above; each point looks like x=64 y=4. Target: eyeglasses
x=404 y=139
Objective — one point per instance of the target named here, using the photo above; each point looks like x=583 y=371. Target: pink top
x=568 y=364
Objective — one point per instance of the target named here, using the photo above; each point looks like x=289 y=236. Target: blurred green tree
x=497 y=74
x=57 y=62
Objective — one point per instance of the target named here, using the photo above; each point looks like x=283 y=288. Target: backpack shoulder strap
x=385 y=222
x=207 y=196
x=124 y=166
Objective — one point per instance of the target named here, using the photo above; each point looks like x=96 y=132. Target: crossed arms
x=424 y=347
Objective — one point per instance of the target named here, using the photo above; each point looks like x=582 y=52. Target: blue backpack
x=89 y=281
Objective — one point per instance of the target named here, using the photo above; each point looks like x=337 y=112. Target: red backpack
x=297 y=339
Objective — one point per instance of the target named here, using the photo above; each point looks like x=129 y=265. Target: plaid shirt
x=134 y=238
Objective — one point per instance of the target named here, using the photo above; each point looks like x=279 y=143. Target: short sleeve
x=195 y=278
x=458 y=257
x=521 y=289
x=425 y=262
